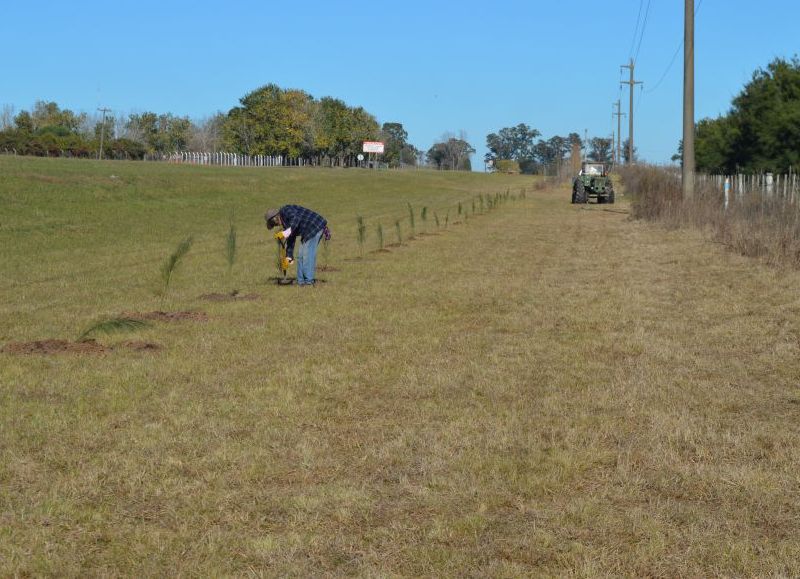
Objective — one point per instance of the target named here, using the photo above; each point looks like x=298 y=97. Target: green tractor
x=593 y=181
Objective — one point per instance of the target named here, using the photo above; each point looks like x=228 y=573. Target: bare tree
x=206 y=133
x=7 y=117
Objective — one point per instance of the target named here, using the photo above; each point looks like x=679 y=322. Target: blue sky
x=436 y=67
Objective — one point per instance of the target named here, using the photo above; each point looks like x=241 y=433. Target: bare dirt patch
x=54 y=347
x=328 y=268
x=159 y=316
x=289 y=280
x=140 y=346
x=48 y=347
x=231 y=297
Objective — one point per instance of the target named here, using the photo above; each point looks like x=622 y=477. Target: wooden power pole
x=688 y=100
x=102 y=131
x=619 y=114
x=632 y=83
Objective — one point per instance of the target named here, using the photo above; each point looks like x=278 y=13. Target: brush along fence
x=735 y=188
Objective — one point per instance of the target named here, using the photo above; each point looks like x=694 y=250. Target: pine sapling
x=230 y=248
x=436 y=219
x=424 y=216
x=112 y=325
x=399 y=231
x=411 y=221
x=170 y=266
x=446 y=219
x=362 y=235
x=379 y=231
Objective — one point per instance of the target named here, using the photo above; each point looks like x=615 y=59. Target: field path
x=547 y=389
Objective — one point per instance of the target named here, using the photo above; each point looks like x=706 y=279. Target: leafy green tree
x=601 y=150
x=512 y=143
x=761 y=132
x=397 y=151
x=331 y=128
x=271 y=121
x=49 y=114
x=626 y=156
x=452 y=154
x=24 y=122
x=161 y=133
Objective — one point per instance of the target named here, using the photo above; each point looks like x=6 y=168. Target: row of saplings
x=594 y=181
x=127 y=322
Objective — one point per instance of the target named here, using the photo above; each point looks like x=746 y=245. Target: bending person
x=295 y=221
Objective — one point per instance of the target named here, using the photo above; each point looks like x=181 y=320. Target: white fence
x=736 y=187
x=228 y=159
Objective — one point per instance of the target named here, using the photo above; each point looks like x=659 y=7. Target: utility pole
x=632 y=84
x=688 y=100
x=619 y=114
x=102 y=131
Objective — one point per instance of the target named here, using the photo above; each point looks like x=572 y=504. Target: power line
x=674 y=56
x=636 y=29
x=644 y=25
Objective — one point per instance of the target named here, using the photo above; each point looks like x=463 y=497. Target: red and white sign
x=373 y=147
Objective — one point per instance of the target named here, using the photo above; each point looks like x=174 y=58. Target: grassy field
x=544 y=390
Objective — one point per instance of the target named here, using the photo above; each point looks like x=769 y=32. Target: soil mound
x=48 y=347
x=52 y=347
x=140 y=346
x=232 y=297
x=167 y=316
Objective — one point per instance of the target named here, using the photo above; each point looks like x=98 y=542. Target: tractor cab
x=593 y=181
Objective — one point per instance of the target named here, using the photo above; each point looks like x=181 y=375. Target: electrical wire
x=641 y=36
x=636 y=29
x=674 y=56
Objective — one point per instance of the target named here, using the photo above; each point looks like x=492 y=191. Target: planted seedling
x=411 y=221
x=111 y=326
x=399 y=231
x=170 y=266
x=473 y=206
x=362 y=235
x=230 y=249
x=379 y=231
x=460 y=209
x=436 y=219
x=446 y=219
x=424 y=216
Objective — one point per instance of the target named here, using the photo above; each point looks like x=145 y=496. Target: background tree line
x=761 y=132
x=268 y=121
x=520 y=148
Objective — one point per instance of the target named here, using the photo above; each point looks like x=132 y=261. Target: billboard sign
x=373 y=147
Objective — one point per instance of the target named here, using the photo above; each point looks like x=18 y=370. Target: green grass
x=503 y=399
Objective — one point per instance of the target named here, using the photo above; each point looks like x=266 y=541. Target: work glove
x=286 y=262
x=283 y=234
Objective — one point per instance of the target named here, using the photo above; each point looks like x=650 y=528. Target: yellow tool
x=283 y=261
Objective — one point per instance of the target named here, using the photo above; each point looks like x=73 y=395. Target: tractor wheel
x=579 y=192
x=609 y=194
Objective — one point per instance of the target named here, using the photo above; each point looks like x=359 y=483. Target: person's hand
x=286 y=262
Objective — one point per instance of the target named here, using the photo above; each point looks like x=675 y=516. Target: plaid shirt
x=303 y=222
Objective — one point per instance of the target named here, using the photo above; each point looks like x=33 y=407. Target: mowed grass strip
x=547 y=389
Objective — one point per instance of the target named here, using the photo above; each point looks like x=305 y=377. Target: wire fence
x=228 y=159
x=737 y=188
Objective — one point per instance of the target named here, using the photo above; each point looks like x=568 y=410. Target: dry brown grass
x=545 y=390
x=756 y=225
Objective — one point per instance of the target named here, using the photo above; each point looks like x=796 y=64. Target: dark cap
x=270 y=218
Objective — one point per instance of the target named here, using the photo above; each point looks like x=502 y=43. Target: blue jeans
x=307 y=259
